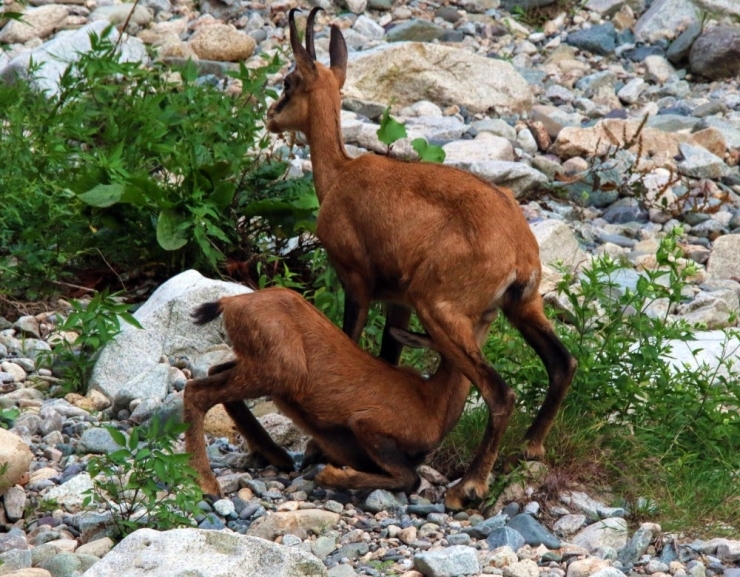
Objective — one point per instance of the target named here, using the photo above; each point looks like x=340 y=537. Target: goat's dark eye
x=286 y=85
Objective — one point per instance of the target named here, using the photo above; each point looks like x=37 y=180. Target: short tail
x=206 y=313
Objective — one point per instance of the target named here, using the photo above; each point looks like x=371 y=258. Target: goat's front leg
x=396 y=316
x=400 y=474
x=455 y=338
x=259 y=441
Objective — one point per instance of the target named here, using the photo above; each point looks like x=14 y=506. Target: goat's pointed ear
x=413 y=340
x=303 y=59
x=338 y=55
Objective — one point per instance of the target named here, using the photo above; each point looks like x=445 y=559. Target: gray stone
x=607 y=533
x=381 y=500
x=593 y=83
x=37 y=23
x=119 y=13
x=680 y=48
x=598 y=39
x=700 y=163
x=15 y=503
x=557 y=243
x=730 y=133
x=343 y=570
x=505 y=536
x=664 y=18
x=716 y=53
x=533 y=532
x=448 y=562
x=15 y=539
x=209 y=553
x=638 y=544
x=729 y=7
x=222 y=9
x=483 y=529
x=415 y=30
x=323 y=546
x=97 y=440
x=69 y=564
x=625 y=210
x=53 y=57
x=15 y=560
x=368 y=27
x=442 y=74
x=517 y=176
x=605 y=8
x=167 y=331
x=608 y=572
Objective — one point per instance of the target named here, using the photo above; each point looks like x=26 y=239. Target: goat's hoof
x=333 y=476
x=464 y=492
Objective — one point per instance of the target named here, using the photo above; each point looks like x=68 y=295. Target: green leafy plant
x=391 y=131
x=7 y=416
x=133 y=166
x=145 y=483
x=95 y=322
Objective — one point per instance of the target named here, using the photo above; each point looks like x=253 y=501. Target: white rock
x=557 y=243
x=448 y=562
x=630 y=93
x=66 y=47
x=70 y=494
x=711 y=346
x=37 y=23
x=664 y=19
x=485 y=146
x=610 y=532
x=299 y=523
x=730 y=7
x=658 y=69
x=368 y=27
x=435 y=128
x=441 y=74
x=284 y=431
x=700 y=163
x=132 y=359
x=724 y=262
x=182 y=552
x=525 y=568
x=15 y=503
x=17 y=455
x=18 y=373
x=119 y=13
x=356 y=6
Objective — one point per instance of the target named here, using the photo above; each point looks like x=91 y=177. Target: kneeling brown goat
x=374 y=419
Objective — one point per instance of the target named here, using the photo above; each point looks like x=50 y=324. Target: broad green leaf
x=169 y=236
x=390 y=130
x=117 y=436
x=103 y=195
x=428 y=152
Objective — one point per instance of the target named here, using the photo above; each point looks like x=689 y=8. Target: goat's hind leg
x=529 y=318
x=397 y=316
x=260 y=443
x=400 y=473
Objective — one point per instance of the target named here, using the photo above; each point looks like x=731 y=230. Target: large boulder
x=558 y=244
x=129 y=367
x=54 y=57
x=182 y=552
x=716 y=53
x=723 y=261
x=664 y=19
x=16 y=454
x=406 y=72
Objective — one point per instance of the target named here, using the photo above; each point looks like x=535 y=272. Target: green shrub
x=132 y=166
x=145 y=483
x=96 y=323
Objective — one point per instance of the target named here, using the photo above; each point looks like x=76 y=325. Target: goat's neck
x=446 y=393
x=324 y=134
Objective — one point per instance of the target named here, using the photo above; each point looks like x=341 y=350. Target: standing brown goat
x=377 y=420
x=426 y=237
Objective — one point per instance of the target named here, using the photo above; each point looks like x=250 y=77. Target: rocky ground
x=557 y=105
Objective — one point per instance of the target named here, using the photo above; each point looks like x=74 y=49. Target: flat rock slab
x=187 y=552
x=298 y=523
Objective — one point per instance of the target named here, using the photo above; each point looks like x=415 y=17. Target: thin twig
x=112 y=269
x=75 y=286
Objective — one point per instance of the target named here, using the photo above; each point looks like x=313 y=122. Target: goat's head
x=292 y=111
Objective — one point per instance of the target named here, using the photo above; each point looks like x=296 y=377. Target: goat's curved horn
x=302 y=57
x=309 y=31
